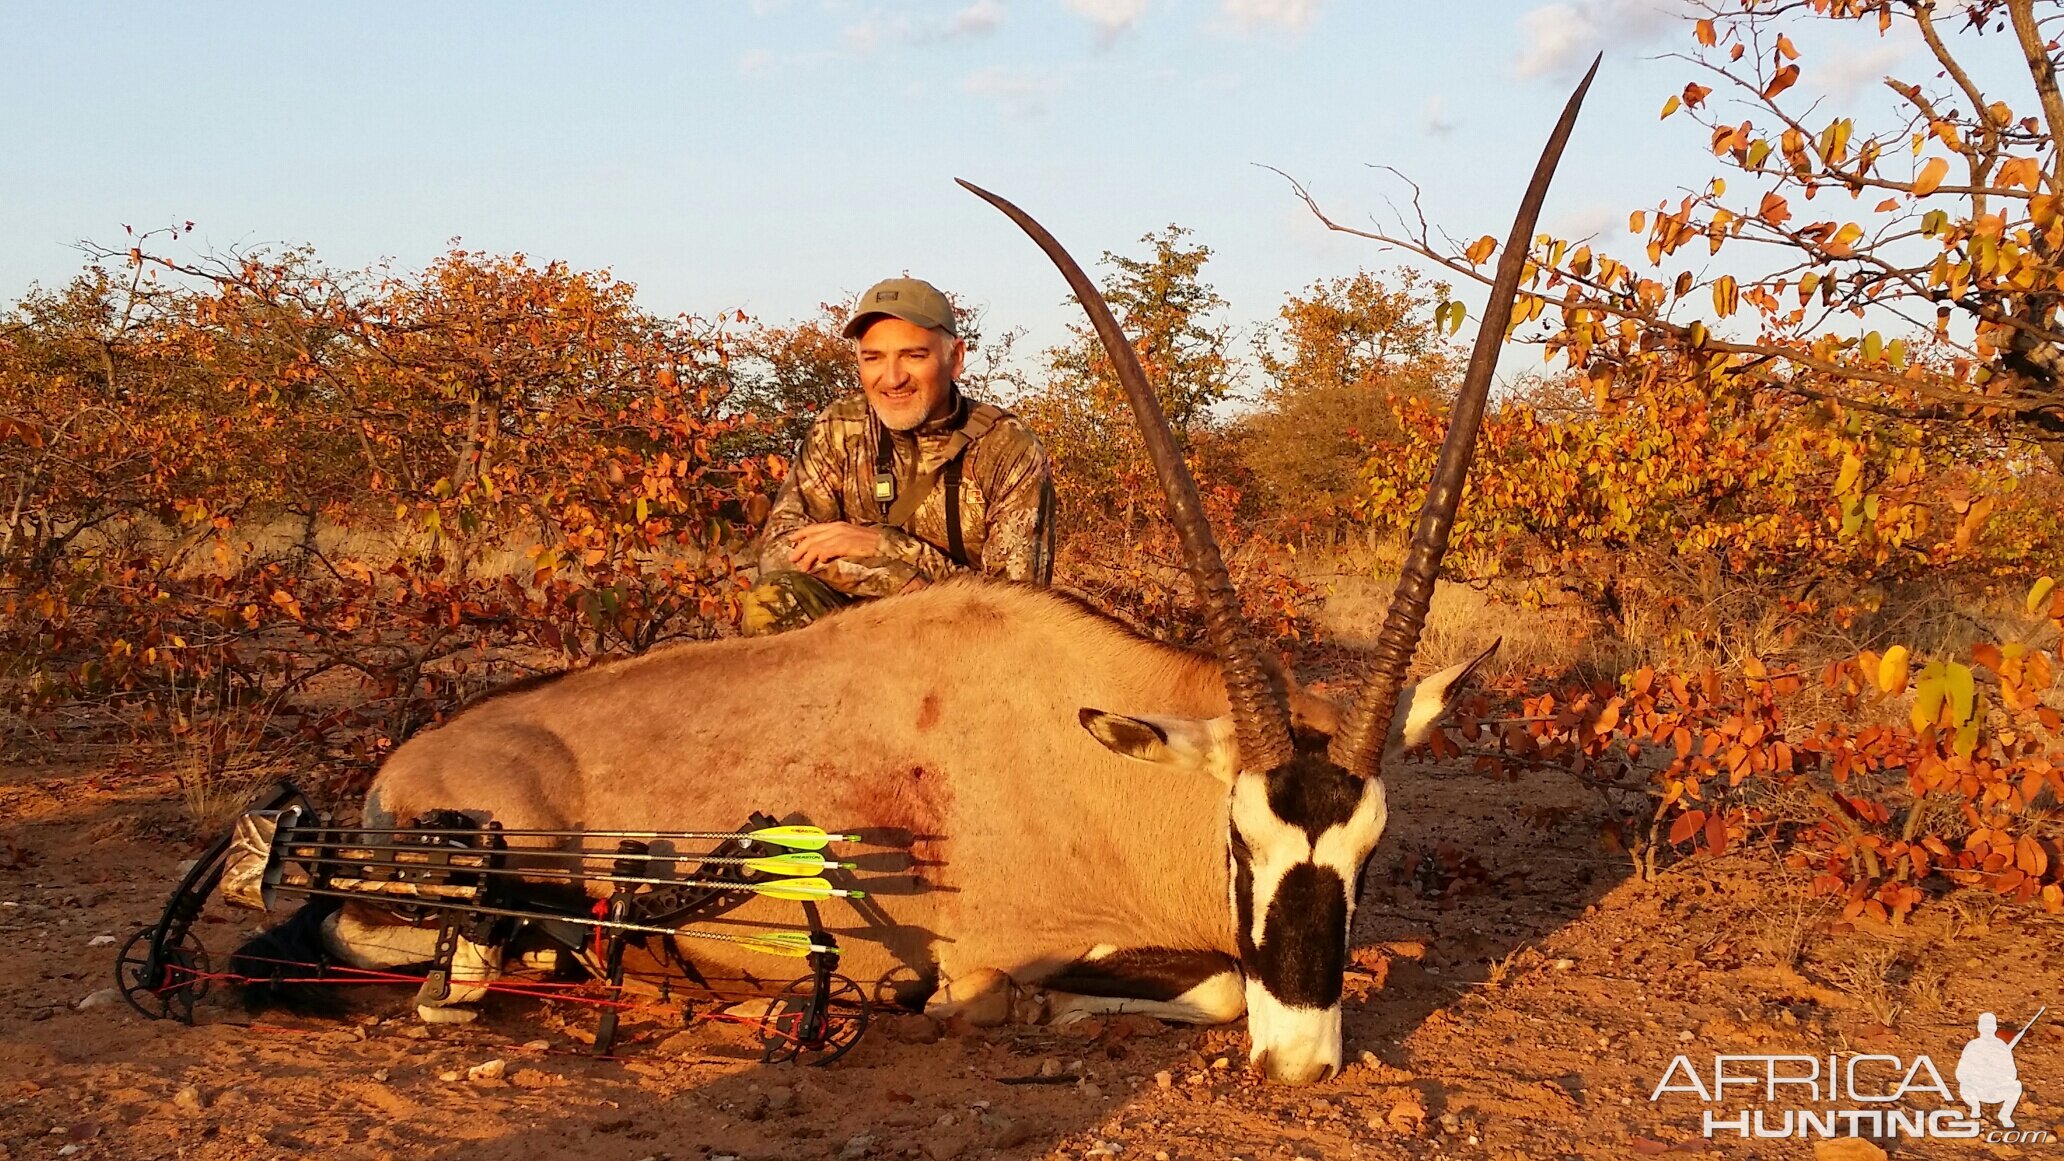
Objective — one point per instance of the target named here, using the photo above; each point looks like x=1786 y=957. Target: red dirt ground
x=1523 y=1005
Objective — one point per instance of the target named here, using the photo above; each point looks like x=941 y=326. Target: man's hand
x=819 y=544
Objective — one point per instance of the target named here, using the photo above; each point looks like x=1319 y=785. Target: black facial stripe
x=1142 y=973
x=1243 y=898
x=1312 y=794
x=1303 y=950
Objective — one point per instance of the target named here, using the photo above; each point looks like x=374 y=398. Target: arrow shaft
x=769 y=942
x=558 y=876
x=793 y=836
x=793 y=863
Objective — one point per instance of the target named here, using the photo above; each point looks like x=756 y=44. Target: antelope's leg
x=1184 y=986
x=362 y=941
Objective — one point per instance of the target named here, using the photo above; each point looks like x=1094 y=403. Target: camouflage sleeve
x=915 y=556
x=1020 y=518
x=809 y=496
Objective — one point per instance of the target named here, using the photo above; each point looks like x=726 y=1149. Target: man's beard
x=904 y=415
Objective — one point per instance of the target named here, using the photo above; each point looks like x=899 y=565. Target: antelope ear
x=1420 y=711
x=1204 y=745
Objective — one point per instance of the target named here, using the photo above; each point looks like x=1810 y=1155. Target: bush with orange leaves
x=1963 y=791
x=243 y=477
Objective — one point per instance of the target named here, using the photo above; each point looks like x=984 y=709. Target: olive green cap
x=910 y=299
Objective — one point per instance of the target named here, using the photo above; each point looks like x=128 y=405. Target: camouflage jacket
x=1006 y=500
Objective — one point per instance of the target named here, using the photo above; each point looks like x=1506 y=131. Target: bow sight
x=463 y=876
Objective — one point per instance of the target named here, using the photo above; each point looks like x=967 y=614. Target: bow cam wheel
x=167 y=985
x=788 y=1031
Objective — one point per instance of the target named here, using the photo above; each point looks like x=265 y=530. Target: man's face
x=907 y=371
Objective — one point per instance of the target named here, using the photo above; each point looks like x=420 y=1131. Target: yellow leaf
x=1669 y=107
x=2040 y=592
x=1852 y=467
x=1726 y=295
x=1962 y=692
x=1927 y=703
x=1480 y=250
x=1931 y=176
x=1892 y=670
x=1706 y=33
x=1966 y=742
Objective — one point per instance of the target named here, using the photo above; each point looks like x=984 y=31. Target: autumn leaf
x=1695 y=93
x=2038 y=593
x=1893 y=670
x=1480 y=250
x=1786 y=77
x=1706 y=33
x=1930 y=177
x=1774 y=209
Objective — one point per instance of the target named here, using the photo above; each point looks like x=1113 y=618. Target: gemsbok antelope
x=1191 y=847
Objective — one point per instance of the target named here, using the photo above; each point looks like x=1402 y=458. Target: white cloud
x=1112 y=17
x=864 y=35
x=1291 y=14
x=1845 y=76
x=1437 y=120
x=1558 y=39
x=1593 y=221
x=977 y=19
x=1023 y=93
x=756 y=62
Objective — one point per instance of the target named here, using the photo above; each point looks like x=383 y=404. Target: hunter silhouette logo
x=1985 y=1073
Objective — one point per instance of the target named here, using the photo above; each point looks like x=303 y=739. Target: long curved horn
x=1261 y=718
x=1358 y=748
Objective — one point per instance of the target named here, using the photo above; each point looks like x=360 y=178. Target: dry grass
x=223 y=756
x=1461 y=622
x=1874 y=971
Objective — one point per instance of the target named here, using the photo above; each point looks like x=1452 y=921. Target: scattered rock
x=489 y=1071
x=1406 y=1116
x=1221 y=1064
x=1563 y=965
x=1049 y=1066
x=450 y=1075
x=1090 y=1091
x=915 y=1028
x=185 y=865
x=1847 y=1149
x=380 y=1074
x=538 y=1045
x=781 y=1100
x=189 y=1100
x=416 y=1032
x=535 y=1078
x=101 y=941
x=1008 y=1132
x=101 y=999
x=1164 y=1079
x=857 y=1147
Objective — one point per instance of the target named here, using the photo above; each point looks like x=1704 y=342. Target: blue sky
x=771 y=154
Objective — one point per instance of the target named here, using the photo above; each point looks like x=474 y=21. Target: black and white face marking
x=1298 y=837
